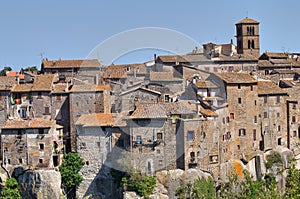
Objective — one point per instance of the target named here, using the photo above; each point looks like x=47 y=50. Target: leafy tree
x=31 y=69
x=292 y=188
x=69 y=170
x=3 y=71
x=201 y=188
x=274 y=157
x=142 y=185
x=10 y=190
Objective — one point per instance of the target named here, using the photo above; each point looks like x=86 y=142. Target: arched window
x=249 y=44
x=248 y=31
x=252 y=30
x=252 y=44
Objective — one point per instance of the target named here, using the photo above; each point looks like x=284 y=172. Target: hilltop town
x=211 y=109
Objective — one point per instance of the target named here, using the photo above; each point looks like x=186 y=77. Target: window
x=213 y=158
x=255 y=102
x=265 y=114
x=278 y=99
x=254 y=134
x=294 y=106
x=139 y=139
x=190 y=135
x=251 y=87
x=223 y=120
x=293 y=119
x=159 y=136
x=239 y=100
x=39 y=95
x=41 y=161
x=227 y=119
x=20 y=161
x=41 y=146
x=239 y=86
x=278 y=128
x=158 y=151
x=232 y=116
x=47 y=110
x=160 y=162
x=167 y=98
x=255 y=119
x=279 y=141
x=278 y=114
x=58 y=97
x=252 y=45
x=87 y=163
x=242 y=132
x=82 y=145
x=265 y=99
x=238 y=147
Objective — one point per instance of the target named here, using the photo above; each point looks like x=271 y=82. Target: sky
x=33 y=30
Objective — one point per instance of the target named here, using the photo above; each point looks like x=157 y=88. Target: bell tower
x=247 y=36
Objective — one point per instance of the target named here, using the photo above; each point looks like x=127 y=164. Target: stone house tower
x=247 y=35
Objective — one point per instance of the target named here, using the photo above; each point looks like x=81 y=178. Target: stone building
x=100 y=141
x=32 y=142
x=85 y=70
x=152 y=129
x=6 y=83
x=87 y=99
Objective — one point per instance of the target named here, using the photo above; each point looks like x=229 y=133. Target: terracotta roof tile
x=14 y=74
x=100 y=119
x=89 y=88
x=114 y=72
x=28 y=124
x=70 y=63
x=159 y=110
x=163 y=76
x=248 y=21
x=60 y=88
x=43 y=82
x=236 y=77
x=269 y=88
x=21 y=88
x=192 y=105
x=182 y=58
x=205 y=84
x=6 y=83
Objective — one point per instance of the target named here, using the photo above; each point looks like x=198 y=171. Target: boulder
x=38 y=184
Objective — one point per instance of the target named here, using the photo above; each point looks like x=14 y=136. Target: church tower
x=247 y=36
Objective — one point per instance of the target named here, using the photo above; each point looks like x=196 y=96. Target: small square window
x=190 y=135
x=41 y=161
x=232 y=116
x=239 y=100
x=58 y=97
x=278 y=114
x=47 y=110
x=255 y=119
x=242 y=132
x=251 y=87
x=278 y=99
x=20 y=161
x=238 y=147
x=41 y=146
x=294 y=106
x=293 y=119
x=254 y=102
x=265 y=114
x=39 y=95
x=239 y=86
x=278 y=128
x=159 y=136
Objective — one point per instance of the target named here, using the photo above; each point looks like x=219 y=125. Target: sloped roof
x=6 y=83
x=274 y=55
x=236 y=77
x=43 y=82
x=182 y=58
x=27 y=124
x=269 y=88
x=163 y=76
x=70 y=63
x=101 y=119
x=192 y=105
x=59 y=88
x=205 y=84
x=159 y=110
x=14 y=74
x=18 y=88
x=114 y=72
x=247 y=21
x=89 y=88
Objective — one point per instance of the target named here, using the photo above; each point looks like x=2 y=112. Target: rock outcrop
x=38 y=184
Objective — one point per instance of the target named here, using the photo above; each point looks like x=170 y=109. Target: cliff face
x=38 y=184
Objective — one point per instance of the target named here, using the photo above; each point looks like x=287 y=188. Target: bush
x=142 y=185
x=10 y=190
x=274 y=157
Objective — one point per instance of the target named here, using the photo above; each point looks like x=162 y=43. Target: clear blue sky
x=71 y=29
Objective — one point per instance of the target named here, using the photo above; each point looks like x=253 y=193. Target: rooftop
x=247 y=21
x=100 y=119
x=33 y=123
x=89 y=88
x=70 y=63
x=236 y=77
x=269 y=88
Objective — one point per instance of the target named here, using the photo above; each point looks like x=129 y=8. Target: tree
x=10 y=190
x=4 y=70
x=292 y=188
x=202 y=188
x=69 y=170
x=31 y=69
x=142 y=185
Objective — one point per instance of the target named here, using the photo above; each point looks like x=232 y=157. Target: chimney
x=155 y=57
